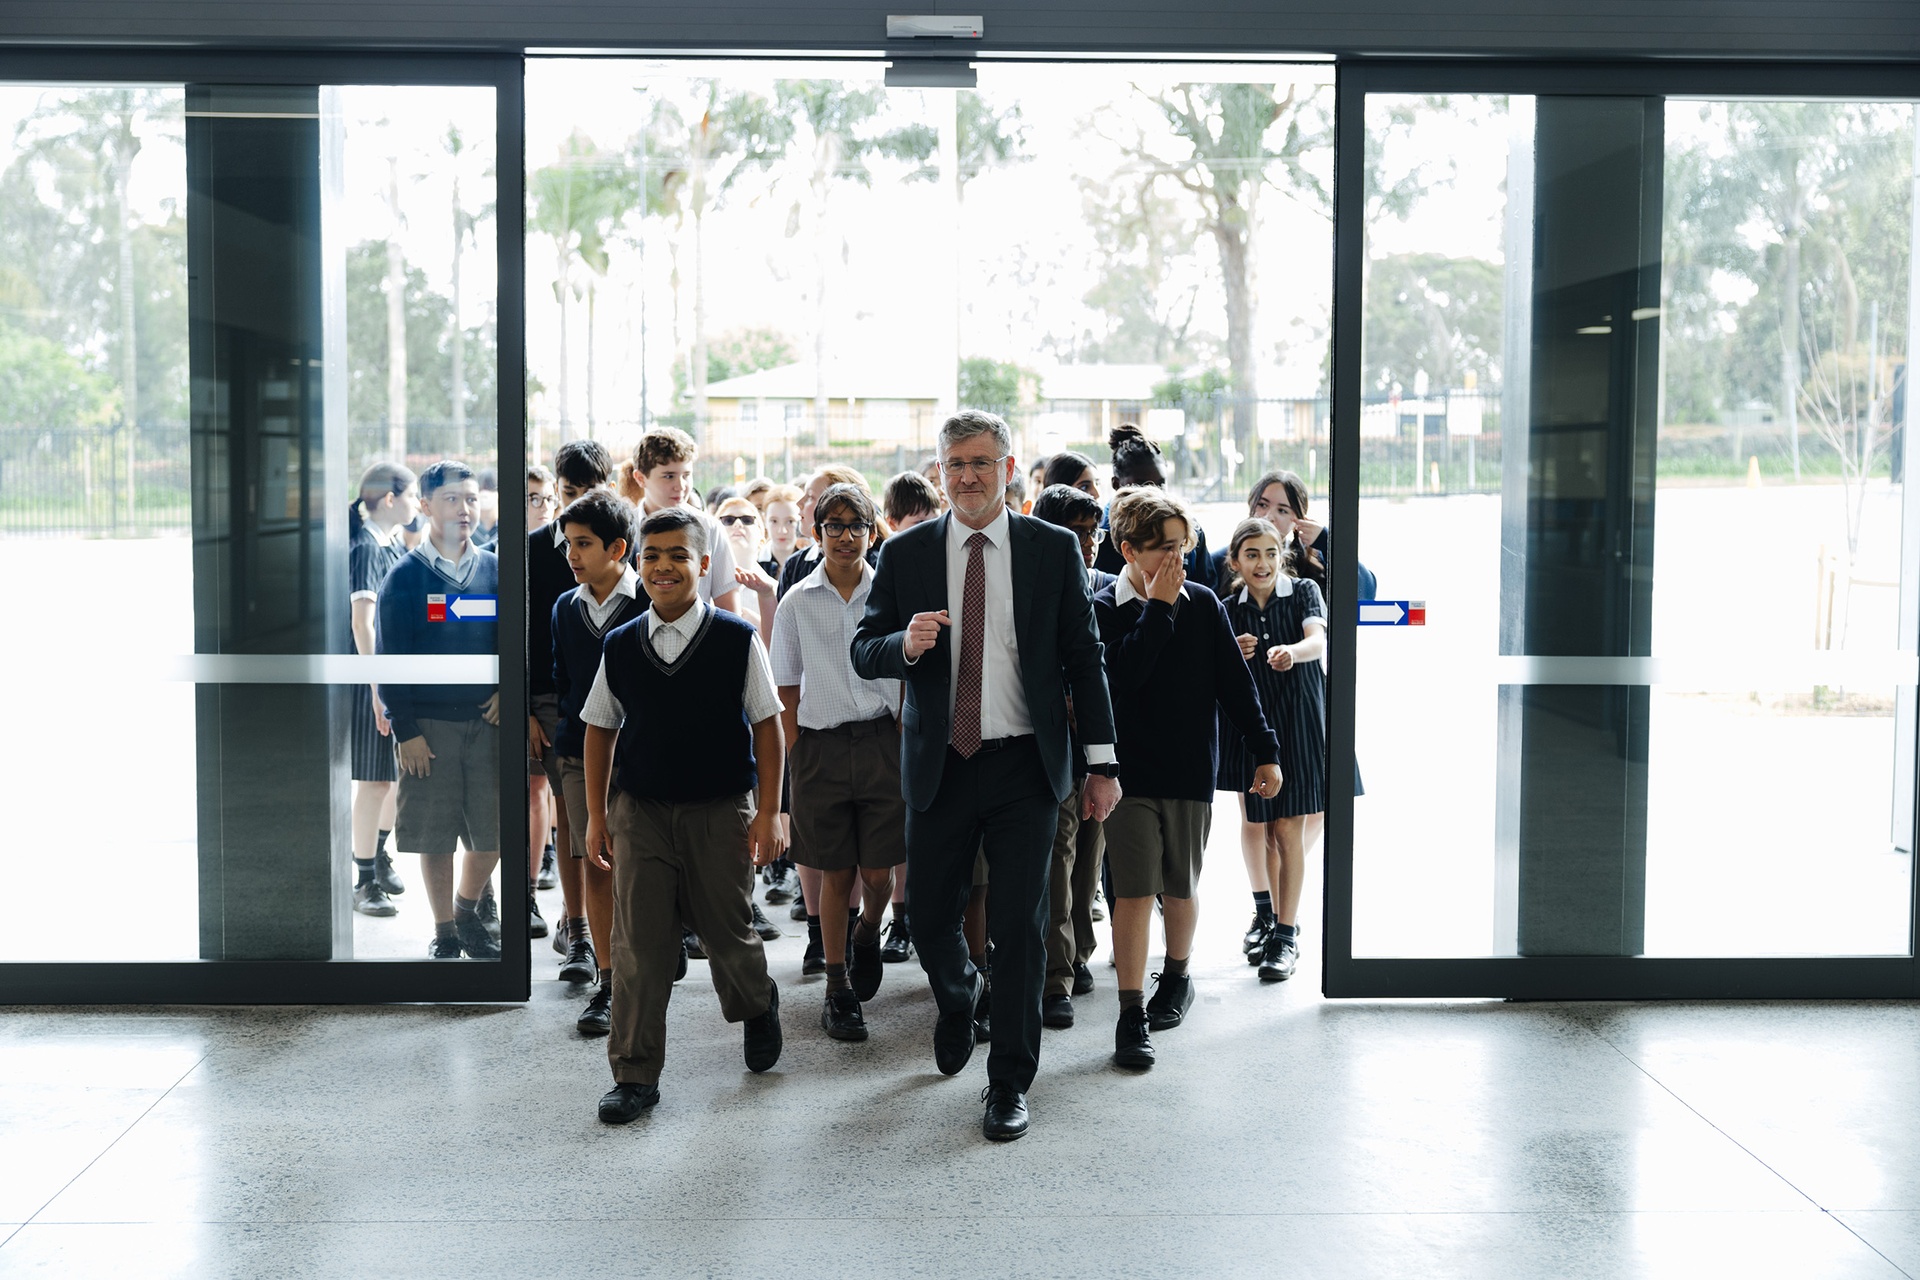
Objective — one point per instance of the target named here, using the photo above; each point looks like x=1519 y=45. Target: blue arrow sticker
x=1393 y=613
x=473 y=608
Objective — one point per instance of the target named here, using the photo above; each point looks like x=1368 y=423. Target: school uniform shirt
x=670 y=639
x=812 y=648
x=580 y=624
x=1293 y=701
x=549 y=580
x=417 y=614
x=370 y=557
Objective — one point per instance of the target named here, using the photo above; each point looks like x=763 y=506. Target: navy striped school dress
x=368 y=559
x=1294 y=702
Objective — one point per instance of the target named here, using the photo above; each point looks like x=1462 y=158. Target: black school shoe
x=798 y=911
x=549 y=875
x=443 y=948
x=761 y=1036
x=1255 y=939
x=815 y=959
x=1172 y=997
x=1006 y=1116
x=841 y=1018
x=370 y=899
x=386 y=877
x=766 y=928
x=1132 y=1046
x=489 y=913
x=864 y=968
x=782 y=881
x=623 y=1103
x=597 y=1018
x=1280 y=957
x=898 y=945
x=954 y=1034
x=536 y=923
x=580 y=965
x=1056 y=1012
x=1082 y=979
x=474 y=938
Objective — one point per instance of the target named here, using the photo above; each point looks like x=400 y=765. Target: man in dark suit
x=986 y=617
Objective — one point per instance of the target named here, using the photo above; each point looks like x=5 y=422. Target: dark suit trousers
x=999 y=803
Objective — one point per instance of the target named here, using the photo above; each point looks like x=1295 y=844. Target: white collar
x=380 y=535
x=1123 y=591
x=628 y=586
x=1282 y=588
x=958 y=532
x=685 y=625
x=467 y=551
x=818 y=578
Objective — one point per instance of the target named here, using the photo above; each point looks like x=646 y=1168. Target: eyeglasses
x=1094 y=537
x=540 y=500
x=834 y=529
x=962 y=467
x=730 y=521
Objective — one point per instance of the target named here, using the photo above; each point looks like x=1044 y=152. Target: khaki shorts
x=1155 y=846
x=572 y=788
x=459 y=799
x=546 y=709
x=847 y=806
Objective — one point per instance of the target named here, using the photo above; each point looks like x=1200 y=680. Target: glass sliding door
x=1623 y=382
x=235 y=291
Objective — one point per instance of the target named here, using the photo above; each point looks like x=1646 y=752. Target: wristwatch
x=1107 y=770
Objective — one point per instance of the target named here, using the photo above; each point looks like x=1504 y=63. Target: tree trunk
x=1236 y=268
x=826 y=167
x=128 y=148
x=396 y=323
x=697 y=365
x=1790 y=339
x=592 y=293
x=458 y=338
x=561 y=259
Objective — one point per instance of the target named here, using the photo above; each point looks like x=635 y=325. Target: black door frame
x=349 y=981
x=1532 y=977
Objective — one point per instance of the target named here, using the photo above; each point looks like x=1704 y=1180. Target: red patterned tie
x=973 y=633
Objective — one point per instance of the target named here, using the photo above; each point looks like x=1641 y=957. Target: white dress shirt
x=812 y=647
x=459 y=572
x=1003 y=699
x=670 y=640
x=598 y=611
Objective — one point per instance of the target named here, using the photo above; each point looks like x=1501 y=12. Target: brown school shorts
x=847 y=806
x=459 y=799
x=1155 y=846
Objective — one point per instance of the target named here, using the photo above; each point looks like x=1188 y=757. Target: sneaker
x=370 y=899
x=475 y=939
x=761 y=1034
x=489 y=913
x=1255 y=938
x=1172 y=997
x=580 y=964
x=597 y=1018
x=1132 y=1046
x=691 y=941
x=782 y=881
x=443 y=948
x=840 y=1016
x=1082 y=979
x=798 y=911
x=536 y=923
x=1278 y=960
x=386 y=877
x=815 y=960
x=898 y=944
x=766 y=928
x=1097 y=909
x=549 y=876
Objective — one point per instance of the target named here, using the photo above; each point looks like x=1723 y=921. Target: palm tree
x=577 y=203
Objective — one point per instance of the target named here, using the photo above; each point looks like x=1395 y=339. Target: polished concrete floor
x=1281 y=1135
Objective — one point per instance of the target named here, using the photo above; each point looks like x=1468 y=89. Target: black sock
x=1287 y=930
x=464 y=906
x=837 y=977
x=1132 y=1000
x=813 y=928
x=1263 y=905
x=362 y=871
x=1176 y=968
x=380 y=845
x=445 y=929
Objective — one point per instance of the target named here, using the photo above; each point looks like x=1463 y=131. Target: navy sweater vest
x=691 y=740
x=576 y=660
x=409 y=623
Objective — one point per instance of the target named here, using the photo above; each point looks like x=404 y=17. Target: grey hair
x=968 y=423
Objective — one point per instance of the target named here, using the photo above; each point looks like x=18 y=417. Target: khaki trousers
x=1075 y=874
x=675 y=863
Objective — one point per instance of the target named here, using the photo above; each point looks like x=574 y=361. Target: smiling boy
x=686 y=811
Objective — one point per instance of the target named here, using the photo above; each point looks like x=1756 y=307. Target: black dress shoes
x=1172 y=997
x=840 y=1016
x=1132 y=1047
x=864 y=968
x=1278 y=960
x=1082 y=979
x=370 y=899
x=762 y=1034
x=623 y=1103
x=1006 y=1117
x=474 y=937
x=899 y=943
x=386 y=877
x=597 y=1018
x=954 y=1034
x=814 y=960
x=1255 y=938
x=1056 y=1012
x=766 y=928
x=581 y=965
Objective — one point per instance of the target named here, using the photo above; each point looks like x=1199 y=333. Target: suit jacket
x=1053 y=628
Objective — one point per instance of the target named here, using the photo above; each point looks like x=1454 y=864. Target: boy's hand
x=1248 y=644
x=380 y=721
x=537 y=742
x=599 y=846
x=416 y=757
x=1167 y=580
x=1266 y=781
x=754 y=579
x=490 y=710
x=923 y=631
x=1280 y=658
x=768 y=842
